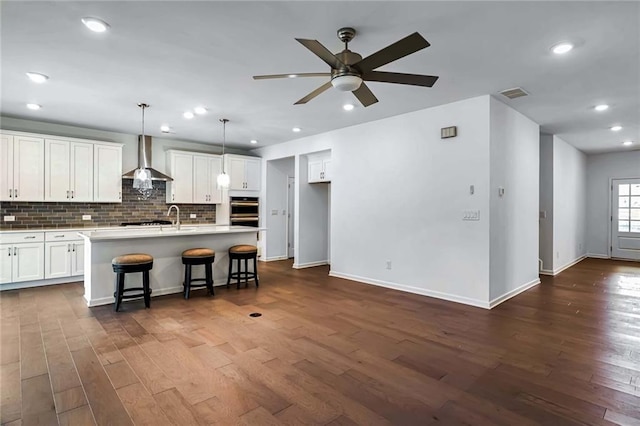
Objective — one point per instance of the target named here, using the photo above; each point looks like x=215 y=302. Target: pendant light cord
x=224 y=137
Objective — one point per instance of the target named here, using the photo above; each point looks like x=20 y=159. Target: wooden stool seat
x=127 y=263
x=198 y=256
x=238 y=253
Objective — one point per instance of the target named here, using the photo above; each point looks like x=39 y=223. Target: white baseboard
x=498 y=300
x=310 y=264
x=598 y=256
x=41 y=283
x=563 y=267
x=273 y=259
x=415 y=290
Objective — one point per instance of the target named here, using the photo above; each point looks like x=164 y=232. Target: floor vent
x=516 y=92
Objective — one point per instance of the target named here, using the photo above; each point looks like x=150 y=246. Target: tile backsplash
x=37 y=215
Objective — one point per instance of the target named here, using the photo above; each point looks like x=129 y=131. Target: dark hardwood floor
x=327 y=352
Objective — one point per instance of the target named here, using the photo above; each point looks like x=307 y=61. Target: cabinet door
x=315 y=171
x=326 y=168
x=252 y=175
x=28 y=262
x=201 y=179
x=181 y=170
x=77 y=258
x=56 y=170
x=107 y=173
x=6 y=168
x=236 y=173
x=81 y=167
x=57 y=259
x=28 y=169
x=6 y=257
x=215 y=168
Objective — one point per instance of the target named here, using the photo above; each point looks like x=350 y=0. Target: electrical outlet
x=192 y=215
x=9 y=218
x=86 y=217
x=388 y=264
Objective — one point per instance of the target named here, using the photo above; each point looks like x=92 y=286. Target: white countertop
x=135 y=232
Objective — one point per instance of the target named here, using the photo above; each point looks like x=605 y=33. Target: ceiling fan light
x=346 y=83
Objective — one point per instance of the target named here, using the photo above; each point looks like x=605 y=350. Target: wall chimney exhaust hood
x=144 y=161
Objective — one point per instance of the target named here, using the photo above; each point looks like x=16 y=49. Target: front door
x=625 y=220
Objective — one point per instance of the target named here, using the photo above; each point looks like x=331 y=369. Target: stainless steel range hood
x=144 y=160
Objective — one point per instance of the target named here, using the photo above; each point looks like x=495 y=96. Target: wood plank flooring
x=327 y=352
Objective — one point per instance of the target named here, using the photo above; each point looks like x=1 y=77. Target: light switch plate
x=274 y=212
x=471 y=215
x=9 y=218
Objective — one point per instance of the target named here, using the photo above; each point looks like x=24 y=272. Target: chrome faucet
x=177 y=222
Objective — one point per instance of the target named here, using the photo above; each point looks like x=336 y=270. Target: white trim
x=598 y=256
x=310 y=264
x=273 y=259
x=498 y=300
x=416 y=290
x=41 y=283
x=160 y=292
x=562 y=268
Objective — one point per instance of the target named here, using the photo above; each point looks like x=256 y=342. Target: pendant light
x=223 y=178
x=142 y=176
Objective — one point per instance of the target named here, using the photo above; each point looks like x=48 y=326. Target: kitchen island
x=166 y=245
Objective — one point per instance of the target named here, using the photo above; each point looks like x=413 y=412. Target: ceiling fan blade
x=400 y=78
x=322 y=52
x=364 y=95
x=397 y=50
x=315 y=93
x=296 y=75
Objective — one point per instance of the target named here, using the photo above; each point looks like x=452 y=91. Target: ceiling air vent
x=516 y=92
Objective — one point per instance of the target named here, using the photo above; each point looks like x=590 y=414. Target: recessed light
x=200 y=110
x=627 y=143
x=562 y=48
x=34 y=107
x=96 y=25
x=36 y=77
x=601 y=108
x=296 y=129
x=347 y=107
x=188 y=115
x=165 y=129
x=616 y=128
x=253 y=141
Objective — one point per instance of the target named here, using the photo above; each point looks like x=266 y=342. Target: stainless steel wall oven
x=245 y=211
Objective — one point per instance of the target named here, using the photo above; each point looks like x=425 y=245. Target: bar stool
x=198 y=256
x=246 y=252
x=133 y=262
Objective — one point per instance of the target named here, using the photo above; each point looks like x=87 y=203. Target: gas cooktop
x=147 y=223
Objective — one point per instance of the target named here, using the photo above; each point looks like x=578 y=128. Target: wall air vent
x=516 y=92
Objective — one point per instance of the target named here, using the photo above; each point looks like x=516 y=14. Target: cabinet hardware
x=9 y=250
x=68 y=248
x=15 y=193
x=173 y=197
x=72 y=194
x=58 y=236
x=74 y=247
x=10 y=193
x=15 y=251
x=31 y=237
x=119 y=195
x=67 y=195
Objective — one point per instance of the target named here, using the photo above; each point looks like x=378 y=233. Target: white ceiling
x=176 y=55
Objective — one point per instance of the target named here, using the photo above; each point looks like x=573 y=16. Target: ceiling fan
x=349 y=71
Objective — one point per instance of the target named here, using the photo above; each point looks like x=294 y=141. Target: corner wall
x=546 y=202
x=515 y=150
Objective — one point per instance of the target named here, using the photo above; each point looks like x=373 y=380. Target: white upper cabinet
x=319 y=168
x=194 y=178
x=22 y=165
x=107 y=173
x=68 y=171
x=244 y=172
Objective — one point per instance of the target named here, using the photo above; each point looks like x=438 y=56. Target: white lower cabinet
x=22 y=257
x=64 y=255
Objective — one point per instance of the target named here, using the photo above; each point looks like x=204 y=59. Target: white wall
x=275 y=240
x=600 y=169
x=515 y=149
x=398 y=192
x=546 y=201
x=569 y=204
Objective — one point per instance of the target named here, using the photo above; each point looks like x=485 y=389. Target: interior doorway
x=291 y=192
x=625 y=219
